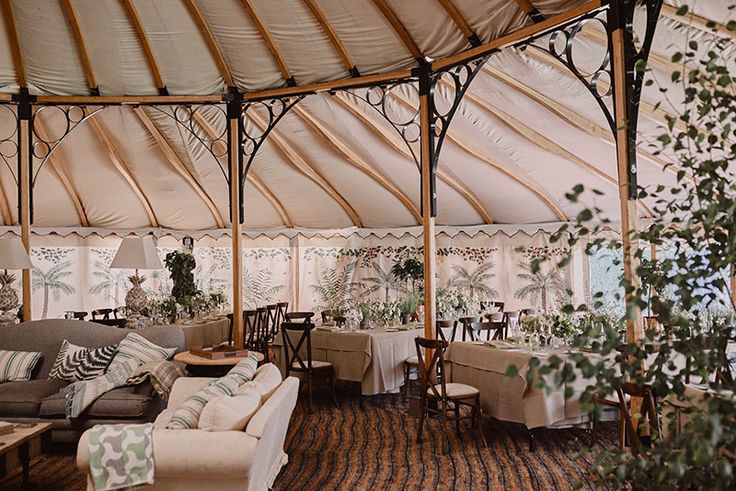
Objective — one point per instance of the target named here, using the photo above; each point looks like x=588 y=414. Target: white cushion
x=414 y=360
x=456 y=390
x=266 y=381
x=226 y=413
x=315 y=364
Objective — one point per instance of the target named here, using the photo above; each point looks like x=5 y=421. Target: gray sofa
x=39 y=399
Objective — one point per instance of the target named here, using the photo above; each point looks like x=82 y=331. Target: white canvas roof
x=526 y=132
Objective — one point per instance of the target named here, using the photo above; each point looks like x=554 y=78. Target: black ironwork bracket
x=459 y=78
x=600 y=81
x=378 y=97
x=9 y=142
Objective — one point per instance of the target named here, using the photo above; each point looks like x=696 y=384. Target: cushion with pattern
x=79 y=363
x=17 y=366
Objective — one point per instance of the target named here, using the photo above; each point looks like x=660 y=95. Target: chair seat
x=414 y=360
x=316 y=365
x=456 y=390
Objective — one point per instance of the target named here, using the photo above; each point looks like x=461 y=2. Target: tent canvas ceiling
x=525 y=133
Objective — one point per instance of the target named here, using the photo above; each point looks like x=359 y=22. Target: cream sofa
x=221 y=460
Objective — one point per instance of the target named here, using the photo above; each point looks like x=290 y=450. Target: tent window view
x=496 y=235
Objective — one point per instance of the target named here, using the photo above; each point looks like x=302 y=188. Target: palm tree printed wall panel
x=52 y=278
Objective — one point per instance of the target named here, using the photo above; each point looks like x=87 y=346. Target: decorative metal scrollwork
x=9 y=137
x=252 y=138
x=55 y=131
x=379 y=96
x=193 y=119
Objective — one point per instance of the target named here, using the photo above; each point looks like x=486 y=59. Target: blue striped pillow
x=16 y=366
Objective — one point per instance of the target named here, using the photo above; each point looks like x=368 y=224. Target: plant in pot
x=409 y=270
x=367 y=312
x=181 y=266
x=408 y=307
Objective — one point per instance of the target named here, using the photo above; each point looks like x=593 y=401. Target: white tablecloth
x=375 y=357
x=207 y=333
x=512 y=399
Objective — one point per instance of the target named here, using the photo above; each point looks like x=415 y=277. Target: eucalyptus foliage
x=697 y=219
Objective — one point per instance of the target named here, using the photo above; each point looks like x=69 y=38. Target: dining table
x=372 y=357
x=206 y=332
x=484 y=366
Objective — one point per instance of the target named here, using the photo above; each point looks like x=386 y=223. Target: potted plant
x=367 y=312
x=408 y=307
x=181 y=266
x=409 y=270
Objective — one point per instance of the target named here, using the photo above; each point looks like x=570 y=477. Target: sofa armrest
x=193 y=454
x=184 y=387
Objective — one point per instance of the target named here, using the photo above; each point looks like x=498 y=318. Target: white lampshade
x=13 y=255
x=137 y=253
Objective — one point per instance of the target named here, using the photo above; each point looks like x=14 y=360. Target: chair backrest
x=272 y=327
x=436 y=366
x=494 y=330
x=250 y=318
x=79 y=315
x=305 y=317
x=648 y=412
x=104 y=313
x=495 y=316
x=292 y=347
x=281 y=309
x=110 y=322
x=446 y=324
x=491 y=306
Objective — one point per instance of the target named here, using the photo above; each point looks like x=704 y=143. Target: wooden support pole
x=24 y=212
x=629 y=221
x=428 y=189
x=234 y=161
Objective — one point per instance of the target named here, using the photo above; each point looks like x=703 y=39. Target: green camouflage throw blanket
x=121 y=456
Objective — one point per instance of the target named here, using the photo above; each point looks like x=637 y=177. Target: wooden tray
x=219 y=352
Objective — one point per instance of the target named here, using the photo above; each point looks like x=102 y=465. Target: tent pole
x=24 y=198
x=428 y=192
x=235 y=181
x=625 y=140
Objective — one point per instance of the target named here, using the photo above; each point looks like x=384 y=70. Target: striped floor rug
x=374 y=447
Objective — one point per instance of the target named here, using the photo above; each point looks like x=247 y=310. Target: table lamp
x=12 y=256
x=136 y=253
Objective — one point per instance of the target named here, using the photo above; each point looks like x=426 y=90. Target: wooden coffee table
x=206 y=367
x=16 y=446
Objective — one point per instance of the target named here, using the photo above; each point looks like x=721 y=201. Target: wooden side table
x=206 y=367
x=19 y=444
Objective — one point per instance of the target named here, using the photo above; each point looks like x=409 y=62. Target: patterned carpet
x=374 y=448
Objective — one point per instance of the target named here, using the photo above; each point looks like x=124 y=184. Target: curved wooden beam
x=71 y=16
x=259 y=185
x=481 y=155
x=694 y=20
x=530 y=10
x=389 y=138
x=342 y=52
x=7 y=9
x=135 y=19
x=122 y=167
x=541 y=141
x=57 y=165
x=270 y=43
x=336 y=143
x=178 y=163
x=460 y=21
x=399 y=29
x=301 y=164
x=209 y=38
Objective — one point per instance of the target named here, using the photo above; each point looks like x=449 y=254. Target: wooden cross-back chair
x=281 y=309
x=104 y=314
x=272 y=314
x=491 y=306
x=439 y=398
x=464 y=324
x=80 y=316
x=305 y=317
x=298 y=356
x=494 y=330
x=412 y=363
x=622 y=401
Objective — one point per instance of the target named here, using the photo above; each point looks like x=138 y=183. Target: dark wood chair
x=104 y=314
x=272 y=314
x=622 y=401
x=412 y=363
x=295 y=353
x=493 y=330
x=80 y=316
x=261 y=333
x=250 y=318
x=464 y=324
x=305 y=317
x=120 y=323
x=439 y=398
x=491 y=306
x=281 y=309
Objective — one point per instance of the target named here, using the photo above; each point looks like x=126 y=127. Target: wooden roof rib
x=178 y=164
x=89 y=72
x=209 y=38
x=270 y=43
x=530 y=10
x=135 y=20
x=342 y=52
x=697 y=21
x=461 y=22
x=6 y=6
x=122 y=167
x=400 y=29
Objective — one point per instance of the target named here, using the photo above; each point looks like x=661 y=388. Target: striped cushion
x=16 y=366
x=186 y=416
x=79 y=363
x=137 y=348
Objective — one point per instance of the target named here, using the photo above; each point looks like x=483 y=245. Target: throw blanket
x=162 y=375
x=80 y=395
x=121 y=456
